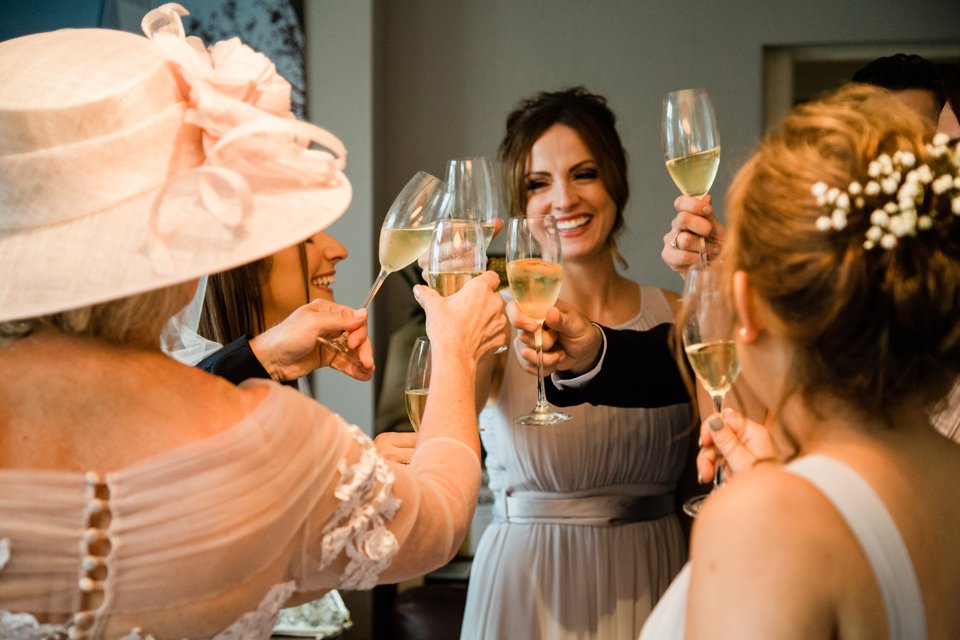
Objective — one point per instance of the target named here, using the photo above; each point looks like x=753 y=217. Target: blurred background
x=409 y=84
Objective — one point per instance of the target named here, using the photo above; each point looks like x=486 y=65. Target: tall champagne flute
x=455 y=256
x=405 y=234
x=707 y=331
x=534 y=272
x=691 y=144
x=417 y=383
x=472 y=187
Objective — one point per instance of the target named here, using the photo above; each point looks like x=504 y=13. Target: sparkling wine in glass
x=473 y=192
x=535 y=273
x=456 y=255
x=417 y=383
x=691 y=144
x=404 y=236
x=707 y=332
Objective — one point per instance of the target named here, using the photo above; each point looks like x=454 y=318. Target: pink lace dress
x=212 y=539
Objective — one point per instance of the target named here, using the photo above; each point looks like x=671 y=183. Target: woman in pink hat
x=140 y=497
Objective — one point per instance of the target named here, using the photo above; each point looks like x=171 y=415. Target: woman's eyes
x=580 y=175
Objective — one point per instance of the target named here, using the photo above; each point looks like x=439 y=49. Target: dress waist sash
x=596 y=511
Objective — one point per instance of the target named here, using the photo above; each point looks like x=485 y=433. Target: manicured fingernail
x=359 y=313
x=715 y=423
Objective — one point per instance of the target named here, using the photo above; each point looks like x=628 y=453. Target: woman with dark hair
x=584 y=536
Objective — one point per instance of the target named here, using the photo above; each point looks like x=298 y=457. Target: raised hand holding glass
x=707 y=330
x=405 y=234
x=691 y=144
x=535 y=273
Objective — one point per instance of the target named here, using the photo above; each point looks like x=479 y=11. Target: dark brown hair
x=233 y=303
x=590 y=117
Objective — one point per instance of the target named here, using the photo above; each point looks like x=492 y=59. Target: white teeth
x=323 y=281
x=572 y=223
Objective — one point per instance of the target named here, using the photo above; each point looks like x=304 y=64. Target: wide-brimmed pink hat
x=130 y=163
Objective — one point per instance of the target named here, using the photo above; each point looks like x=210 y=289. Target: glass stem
x=718 y=471
x=341 y=340
x=376 y=287
x=542 y=405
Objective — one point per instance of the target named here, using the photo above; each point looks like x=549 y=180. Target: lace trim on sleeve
x=359 y=525
x=4 y=552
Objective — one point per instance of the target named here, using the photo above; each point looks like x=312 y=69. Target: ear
x=744 y=301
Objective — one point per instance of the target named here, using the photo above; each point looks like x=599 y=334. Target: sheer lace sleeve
x=382 y=521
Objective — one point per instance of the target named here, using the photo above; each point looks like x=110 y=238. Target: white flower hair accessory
x=900 y=197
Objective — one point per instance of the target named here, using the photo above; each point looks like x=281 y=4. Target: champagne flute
x=472 y=187
x=707 y=330
x=534 y=272
x=456 y=255
x=405 y=234
x=417 y=382
x=691 y=144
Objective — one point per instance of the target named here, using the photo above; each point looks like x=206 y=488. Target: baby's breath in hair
x=900 y=197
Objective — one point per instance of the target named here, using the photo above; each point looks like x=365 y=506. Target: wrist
x=591 y=355
x=262 y=352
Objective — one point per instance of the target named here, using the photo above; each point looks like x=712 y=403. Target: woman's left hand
x=740 y=441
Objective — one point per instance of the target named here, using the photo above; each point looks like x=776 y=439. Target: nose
x=564 y=195
x=333 y=251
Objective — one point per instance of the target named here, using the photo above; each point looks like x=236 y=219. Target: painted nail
x=715 y=423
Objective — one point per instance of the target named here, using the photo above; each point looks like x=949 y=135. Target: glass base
x=339 y=345
x=692 y=506
x=541 y=418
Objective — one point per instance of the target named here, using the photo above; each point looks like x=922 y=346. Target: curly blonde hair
x=133 y=321
x=878 y=328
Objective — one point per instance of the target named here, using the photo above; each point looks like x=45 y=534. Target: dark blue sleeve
x=234 y=362
x=639 y=370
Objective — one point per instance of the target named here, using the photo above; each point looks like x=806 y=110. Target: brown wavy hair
x=590 y=117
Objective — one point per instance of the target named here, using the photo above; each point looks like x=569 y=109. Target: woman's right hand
x=472 y=320
x=571 y=342
x=695 y=219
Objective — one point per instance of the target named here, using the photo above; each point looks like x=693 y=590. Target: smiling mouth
x=573 y=223
x=323 y=281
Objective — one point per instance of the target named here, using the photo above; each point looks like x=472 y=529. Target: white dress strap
x=879 y=538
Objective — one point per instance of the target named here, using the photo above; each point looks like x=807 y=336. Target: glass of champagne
x=534 y=272
x=691 y=144
x=707 y=330
x=456 y=255
x=405 y=234
x=472 y=187
x=417 y=382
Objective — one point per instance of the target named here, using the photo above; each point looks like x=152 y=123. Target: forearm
x=451 y=409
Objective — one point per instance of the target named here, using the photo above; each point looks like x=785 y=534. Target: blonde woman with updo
x=843 y=264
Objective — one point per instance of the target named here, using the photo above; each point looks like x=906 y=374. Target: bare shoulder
x=768 y=536
x=674 y=300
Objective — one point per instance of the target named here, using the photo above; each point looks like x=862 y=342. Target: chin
x=322 y=295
